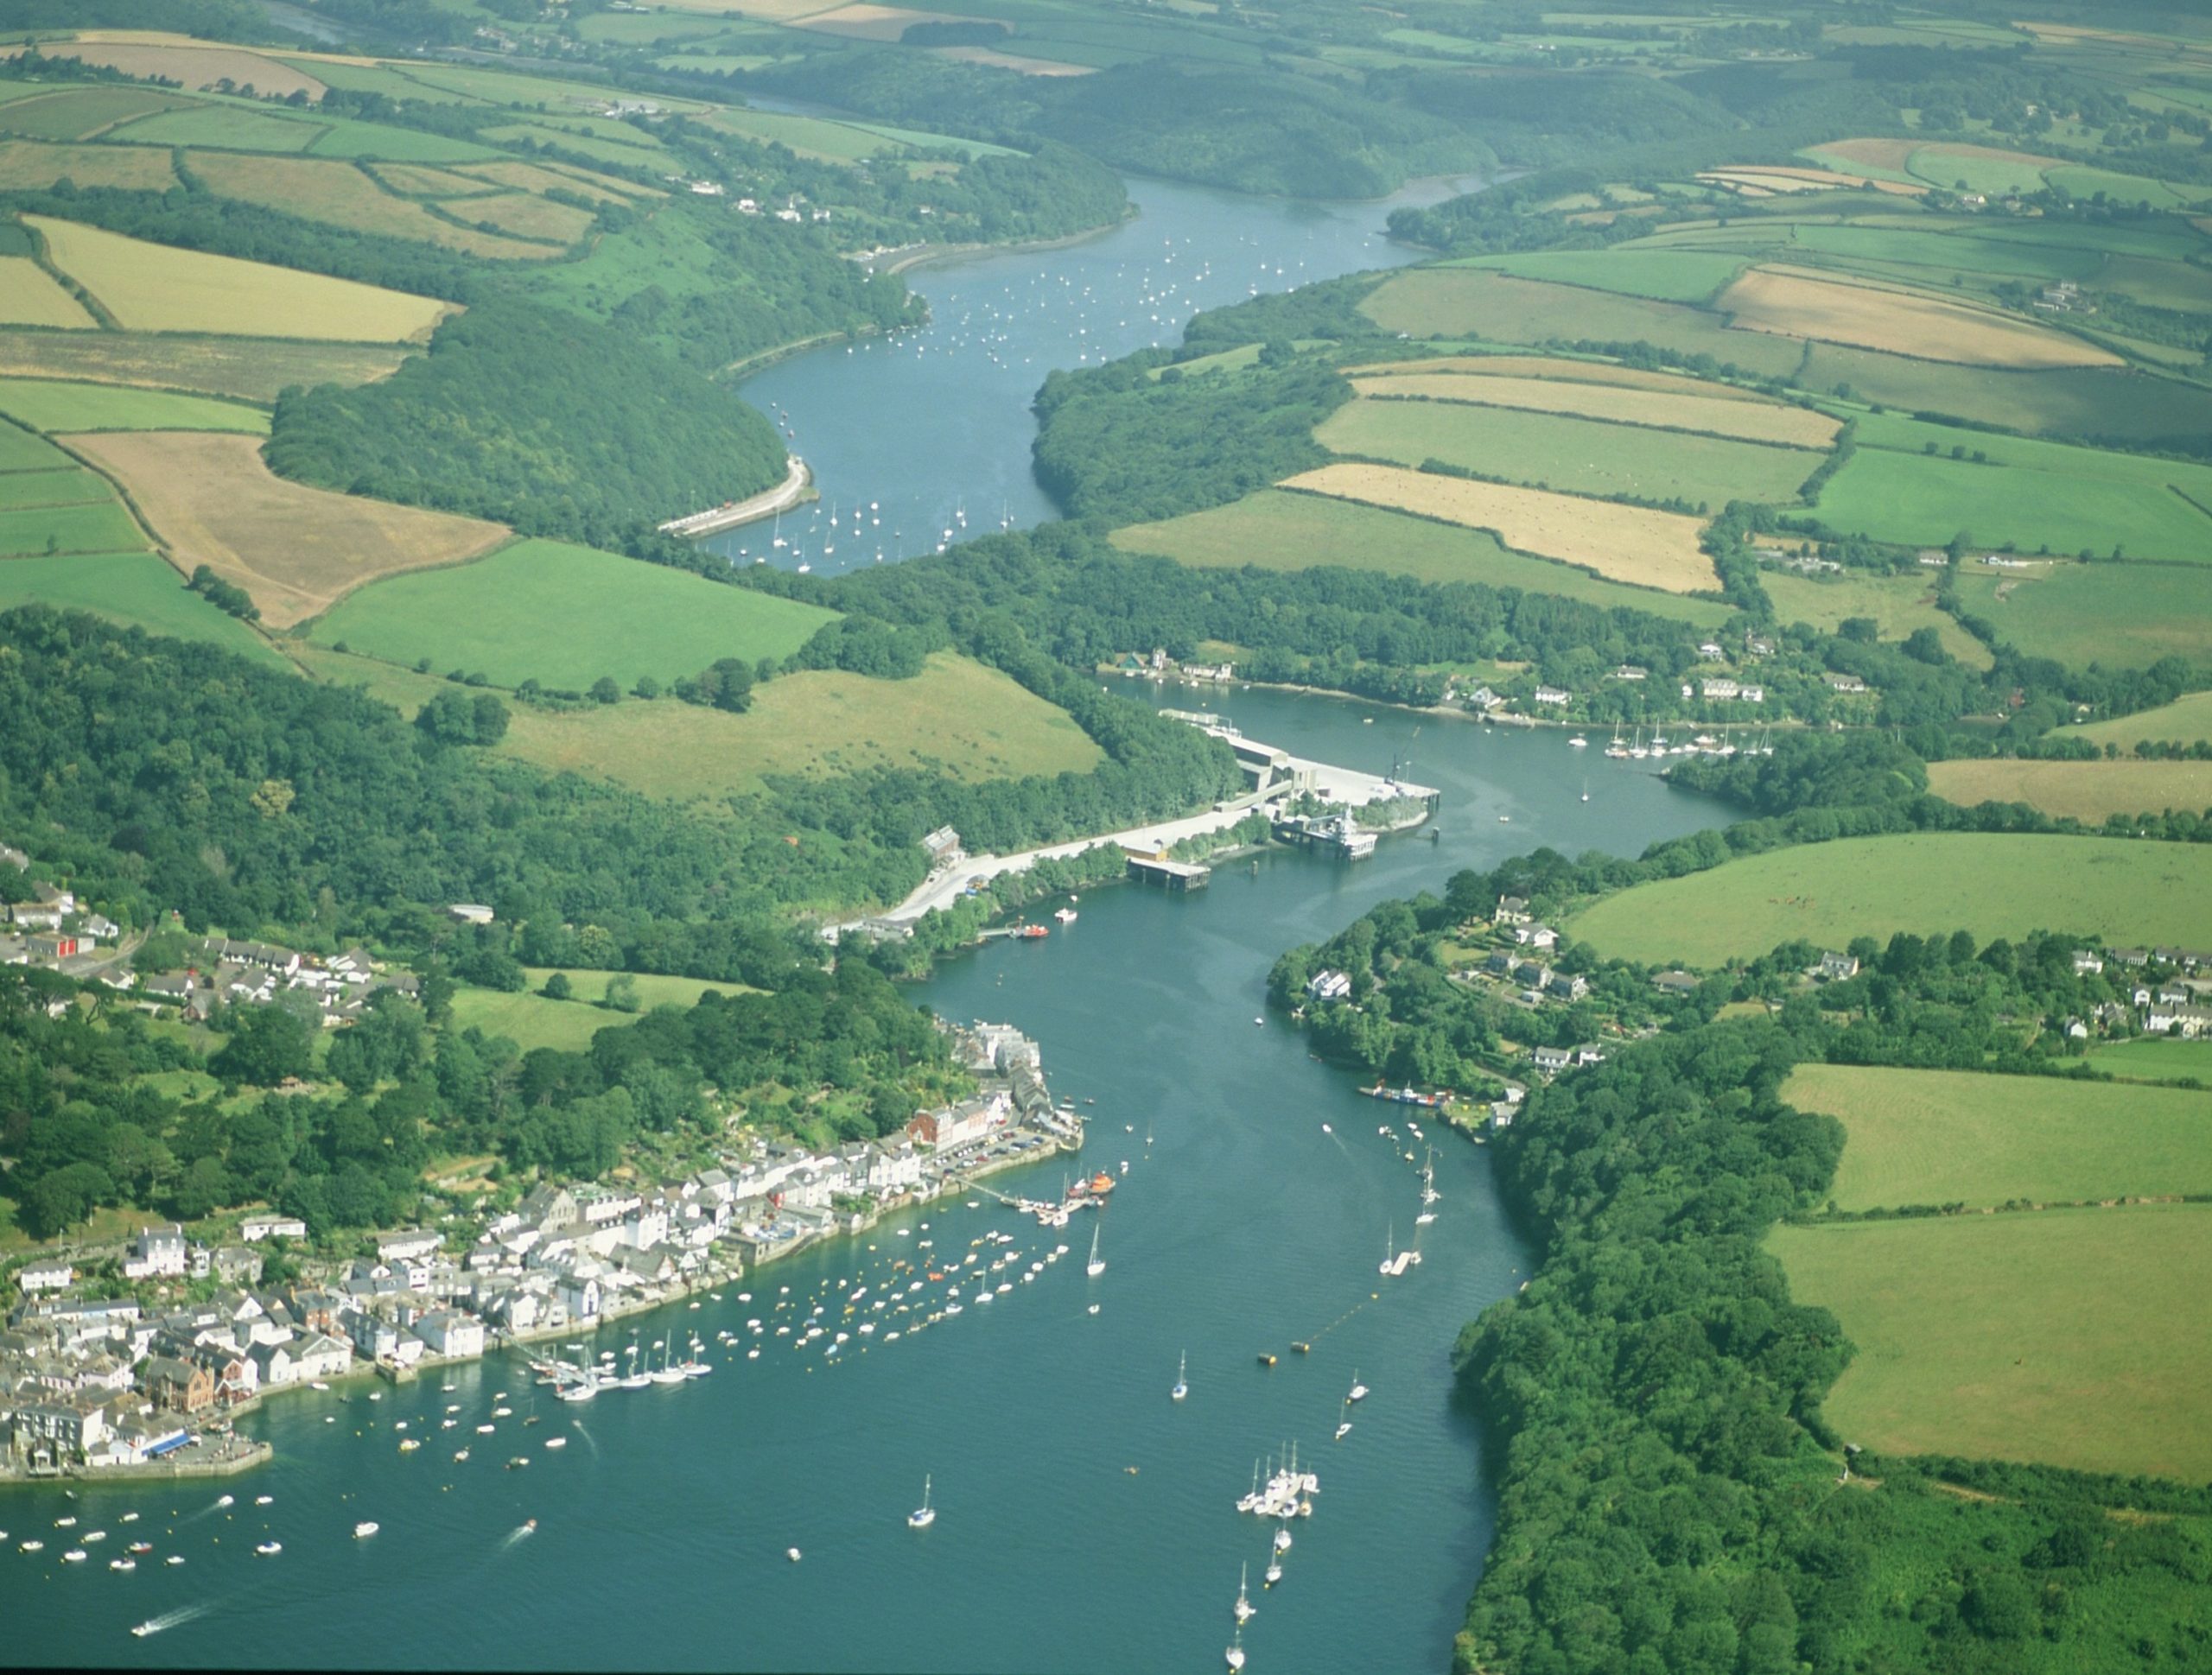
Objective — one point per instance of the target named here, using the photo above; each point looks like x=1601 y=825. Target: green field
x=1953 y=1137
x=530 y=1021
x=1576 y=456
x=2074 y=1337
x=97 y=526
x=1277 y=530
x=224 y=126
x=565 y=616
x=2125 y=616
x=1900 y=604
x=2030 y=494
x=2152 y=1059
x=250 y=369
x=2186 y=720
x=1664 y=276
x=1992 y=883
x=21 y=451
x=957 y=718
x=134 y=588
x=2087 y=792
x=2089 y=403
x=49 y=405
x=72 y=113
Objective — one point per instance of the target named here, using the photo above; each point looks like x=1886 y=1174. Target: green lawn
x=1664 y=275
x=1992 y=884
x=2073 y=1338
x=1577 y=455
x=135 y=589
x=2124 y=616
x=1277 y=530
x=565 y=616
x=1945 y=1137
x=51 y=405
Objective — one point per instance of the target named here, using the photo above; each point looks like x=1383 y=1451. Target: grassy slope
x=565 y=615
x=1900 y=604
x=1941 y=1137
x=2122 y=616
x=2187 y=719
x=2074 y=1337
x=57 y=407
x=2087 y=790
x=136 y=589
x=1992 y=884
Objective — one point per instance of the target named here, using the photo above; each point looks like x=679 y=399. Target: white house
x=451 y=1333
x=255 y=1228
x=408 y=1244
x=158 y=1252
x=37 y=1277
x=1329 y=986
x=581 y=1298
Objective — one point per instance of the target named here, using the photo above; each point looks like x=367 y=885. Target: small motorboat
x=123 y=1565
x=269 y=1549
x=364 y=1529
x=556 y=1442
x=174 y=1558
x=792 y=1554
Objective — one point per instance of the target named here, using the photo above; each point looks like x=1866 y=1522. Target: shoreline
x=904 y=258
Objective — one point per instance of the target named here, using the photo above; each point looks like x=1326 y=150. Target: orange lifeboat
x=1101 y=1184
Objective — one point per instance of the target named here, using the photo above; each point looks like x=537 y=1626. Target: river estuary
x=1085 y=1521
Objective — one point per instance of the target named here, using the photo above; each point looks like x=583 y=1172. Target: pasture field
x=530 y=1021
x=1994 y=884
x=28 y=165
x=2124 y=616
x=582 y=145
x=297 y=550
x=1930 y=256
x=530 y=177
x=1793 y=303
x=2152 y=1059
x=1981 y=168
x=423 y=180
x=564 y=615
x=80 y=113
x=2087 y=792
x=405 y=690
x=2087 y=402
x=957 y=717
x=1899 y=604
x=339 y=194
x=229 y=127
x=1957 y=1136
x=156 y=287
x=134 y=588
x=1562 y=451
x=21 y=451
x=378 y=142
x=31 y=296
x=1427 y=302
x=63 y=486
x=52 y=406
x=1745 y=420
x=250 y=369
x=1916 y=500
x=96 y=525
x=1626 y=543
x=1562 y=369
x=2072 y=1337
x=1662 y=276
x=527 y=217
x=2186 y=720
x=1275 y=530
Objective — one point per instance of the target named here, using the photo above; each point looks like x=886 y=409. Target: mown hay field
x=531 y=177
x=1562 y=451
x=2183 y=721
x=2087 y=792
x=957 y=718
x=1276 y=529
x=1916 y=500
x=133 y=588
x=1990 y=883
x=250 y=369
x=1470 y=302
x=297 y=550
x=338 y=194
x=192 y=66
x=31 y=297
x=1746 y=421
x=1956 y=1137
x=2073 y=1338
x=527 y=217
x=27 y=165
x=1553 y=368
x=565 y=616
x=156 y=287
x=1626 y=543
x=1900 y=604
x=2125 y=616
x=51 y=405
x=1795 y=304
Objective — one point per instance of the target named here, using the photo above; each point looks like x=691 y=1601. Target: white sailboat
x=1236 y=1650
x=1343 y=1419
x=1182 y=1382
x=1245 y=1609
x=924 y=1515
x=1358 y=1389
x=1389 y=1239
x=1097 y=1265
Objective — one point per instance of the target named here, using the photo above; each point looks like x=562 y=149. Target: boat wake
x=589 y=1442
x=170 y=1619
x=520 y=1532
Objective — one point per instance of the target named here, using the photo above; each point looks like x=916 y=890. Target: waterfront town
x=133 y=1360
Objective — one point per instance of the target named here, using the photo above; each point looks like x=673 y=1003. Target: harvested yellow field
x=28 y=296
x=341 y=194
x=1751 y=420
x=1547 y=366
x=1792 y=304
x=25 y=165
x=1774 y=181
x=530 y=177
x=1624 y=543
x=527 y=217
x=421 y=181
x=196 y=66
x=153 y=287
x=297 y=550
x=582 y=176
x=2089 y=791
